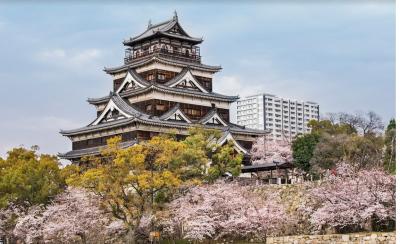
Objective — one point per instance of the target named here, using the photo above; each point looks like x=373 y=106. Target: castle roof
x=132 y=115
x=170 y=28
x=167 y=88
x=157 y=57
x=92 y=150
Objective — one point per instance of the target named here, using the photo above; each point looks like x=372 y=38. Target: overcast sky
x=340 y=55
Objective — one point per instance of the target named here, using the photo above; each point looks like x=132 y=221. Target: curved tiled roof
x=141 y=117
x=163 y=88
x=126 y=107
x=177 y=77
x=173 y=110
x=156 y=57
x=162 y=29
x=138 y=77
x=92 y=150
x=173 y=90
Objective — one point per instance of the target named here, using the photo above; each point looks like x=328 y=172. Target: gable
x=177 y=30
x=188 y=81
x=129 y=83
x=178 y=115
x=111 y=113
x=215 y=120
x=187 y=85
x=236 y=145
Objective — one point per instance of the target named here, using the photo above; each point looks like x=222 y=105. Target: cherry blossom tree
x=350 y=199
x=73 y=216
x=224 y=210
x=267 y=150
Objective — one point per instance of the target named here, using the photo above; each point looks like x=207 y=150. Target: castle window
x=161 y=76
x=148 y=107
x=150 y=77
x=160 y=107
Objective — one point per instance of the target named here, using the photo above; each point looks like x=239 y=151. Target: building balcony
x=172 y=53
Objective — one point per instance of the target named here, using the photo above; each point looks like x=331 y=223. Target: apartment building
x=284 y=118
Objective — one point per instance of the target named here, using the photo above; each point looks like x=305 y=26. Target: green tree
x=136 y=180
x=363 y=151
x=27 y=178
x=199 y=149
x=390 y=147
x=329 y=127
x=225 y=160
x=329 y=151
x=303 y=149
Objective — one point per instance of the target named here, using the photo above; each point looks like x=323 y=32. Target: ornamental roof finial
x=175 y=15
x=149 y=25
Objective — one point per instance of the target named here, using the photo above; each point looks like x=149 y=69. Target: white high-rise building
x=284 y=118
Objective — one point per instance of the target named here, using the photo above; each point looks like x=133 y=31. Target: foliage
x=363 y=151
x=343 y=123
x=329 y=151
x=28 y=178
x=224 y=159
x=349 y=199
x=327 y=126
x=303 y=149
x=223 y=210
x=266 y=150
x=199 y=147
x=390 y=147
x=135 y=181
x=129 y=180
x=354 y=138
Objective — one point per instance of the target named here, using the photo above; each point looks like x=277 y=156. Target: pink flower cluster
x=224 y=210
x=74 y=215
x=266 y=150
x=352 y=199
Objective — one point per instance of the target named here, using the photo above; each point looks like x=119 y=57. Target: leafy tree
x=129 y=180
x=303 y=149
x=198 y=151
x=363 y=151
x=390 y=147
x=329 y=151
x=329 y=127
x=209 y=160
x=28 y=178
x=224 y=160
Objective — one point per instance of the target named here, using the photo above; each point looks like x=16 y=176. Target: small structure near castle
x=162 y=86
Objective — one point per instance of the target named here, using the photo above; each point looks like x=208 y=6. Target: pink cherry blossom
x=266 y=150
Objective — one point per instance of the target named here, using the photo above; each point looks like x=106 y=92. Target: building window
x=161 y=76
x=150 y=77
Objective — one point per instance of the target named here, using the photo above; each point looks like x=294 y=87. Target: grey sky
x=341 y=55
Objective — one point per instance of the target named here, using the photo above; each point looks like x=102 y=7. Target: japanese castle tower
x=162 y=86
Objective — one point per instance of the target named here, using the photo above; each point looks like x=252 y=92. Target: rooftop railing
x=176 y=54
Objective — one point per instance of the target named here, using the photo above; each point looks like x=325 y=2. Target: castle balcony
x=178 y=54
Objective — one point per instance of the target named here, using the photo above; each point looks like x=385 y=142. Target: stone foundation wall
x=365 y=238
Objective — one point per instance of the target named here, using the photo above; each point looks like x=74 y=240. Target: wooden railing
x=169 y=53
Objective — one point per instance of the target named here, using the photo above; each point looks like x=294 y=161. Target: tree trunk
x=131 y=236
